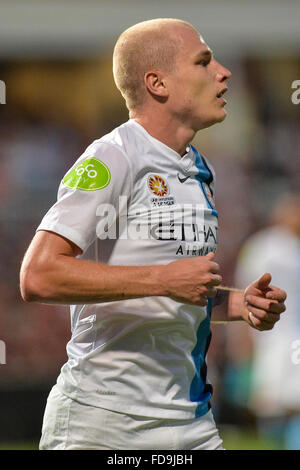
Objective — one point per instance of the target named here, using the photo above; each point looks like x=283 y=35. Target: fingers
x=261 y=288
x=268 y=305
x=193 y=281
x=264 y=317
x=208 y=289
x=276 y=294
x=264 y=310
x=203 y=299
x=263 y=282
x=216 y=280
x=213 y=267
x=205 y=291
x=202 y=302
x=211 y=292
x=259 y=324
x=212 y=277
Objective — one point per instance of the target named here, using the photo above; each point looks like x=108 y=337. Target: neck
x=165 y=128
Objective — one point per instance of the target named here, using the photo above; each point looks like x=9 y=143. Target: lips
x=221 y=92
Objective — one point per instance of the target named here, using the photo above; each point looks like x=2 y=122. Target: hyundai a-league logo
x=158 y=185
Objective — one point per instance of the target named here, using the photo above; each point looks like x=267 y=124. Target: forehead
x=192 y=42
x=191 y=38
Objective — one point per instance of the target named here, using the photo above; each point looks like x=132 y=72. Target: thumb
x=210 y=255
x=263 y=282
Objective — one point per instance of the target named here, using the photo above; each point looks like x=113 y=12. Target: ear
x=156 y=84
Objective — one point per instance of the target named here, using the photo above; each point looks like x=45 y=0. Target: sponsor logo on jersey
x=191 y=225
x=90 y=175
x=158 y=185
x=208 y=194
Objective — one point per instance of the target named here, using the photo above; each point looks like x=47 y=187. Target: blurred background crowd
x=59 y=101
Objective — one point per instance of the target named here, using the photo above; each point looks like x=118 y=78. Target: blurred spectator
x=34 y=155
x=275 y=379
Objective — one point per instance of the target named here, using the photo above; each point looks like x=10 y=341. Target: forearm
x=228 y=305
x=69 y=280
x=51 y=272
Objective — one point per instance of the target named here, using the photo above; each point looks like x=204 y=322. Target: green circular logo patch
x=90 y=175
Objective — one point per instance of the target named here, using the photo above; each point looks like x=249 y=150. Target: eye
x=204 y=62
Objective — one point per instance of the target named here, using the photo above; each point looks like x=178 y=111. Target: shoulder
x=122 y=143
x=104 y=162
x=108 y=150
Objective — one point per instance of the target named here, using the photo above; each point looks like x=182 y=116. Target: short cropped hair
x=147 y=45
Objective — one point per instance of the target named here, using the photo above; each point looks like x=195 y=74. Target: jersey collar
x=187 y=160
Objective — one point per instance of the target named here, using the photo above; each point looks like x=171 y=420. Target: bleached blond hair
x=149 y=45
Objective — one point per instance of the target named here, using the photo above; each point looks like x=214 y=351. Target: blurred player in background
x=275 y=383
x=138 y=206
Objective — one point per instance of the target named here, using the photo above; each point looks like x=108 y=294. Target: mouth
x=220 y=96
x=221 y=92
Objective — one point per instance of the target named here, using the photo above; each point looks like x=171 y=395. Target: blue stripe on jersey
x=200 y=391
x=204 y=176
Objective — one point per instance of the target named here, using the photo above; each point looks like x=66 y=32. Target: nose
x=222 y=73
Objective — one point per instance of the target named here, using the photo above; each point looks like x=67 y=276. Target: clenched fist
x=192 y=280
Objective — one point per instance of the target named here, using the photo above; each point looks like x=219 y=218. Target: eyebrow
x=203 y=54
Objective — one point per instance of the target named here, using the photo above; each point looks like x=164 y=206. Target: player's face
x=196 y=84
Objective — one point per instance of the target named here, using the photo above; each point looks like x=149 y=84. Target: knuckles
x=208 y=279
x=201 y=289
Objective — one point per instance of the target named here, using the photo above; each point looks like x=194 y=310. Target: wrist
x=237 y=310
x=159 y=281
x=229 y=304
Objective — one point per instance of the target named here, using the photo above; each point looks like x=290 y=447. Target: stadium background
x=55 y=58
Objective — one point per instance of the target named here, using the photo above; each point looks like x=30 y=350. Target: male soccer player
x=139 y=205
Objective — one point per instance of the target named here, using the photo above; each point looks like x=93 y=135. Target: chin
x=220 y=118
x=212 y=121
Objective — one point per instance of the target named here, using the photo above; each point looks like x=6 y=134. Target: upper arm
x=44 y=249
x=97 y=179
x=46 y=245
x=71 y=225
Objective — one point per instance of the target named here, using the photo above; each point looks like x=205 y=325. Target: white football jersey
x=132 y=200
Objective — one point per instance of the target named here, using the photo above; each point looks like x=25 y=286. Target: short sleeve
x=99 y=177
